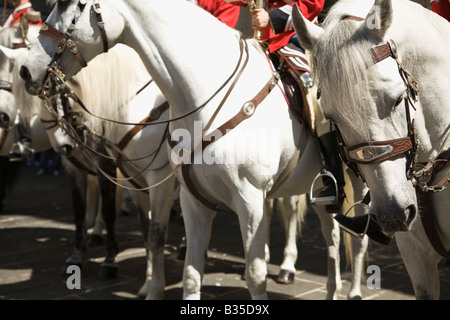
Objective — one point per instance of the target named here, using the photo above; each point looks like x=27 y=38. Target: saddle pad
x=295 y=57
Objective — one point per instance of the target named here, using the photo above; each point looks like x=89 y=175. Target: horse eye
x=63 y=2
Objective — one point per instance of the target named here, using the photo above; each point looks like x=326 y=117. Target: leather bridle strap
x=64 y=39
x=101 y=25
x=63 y=42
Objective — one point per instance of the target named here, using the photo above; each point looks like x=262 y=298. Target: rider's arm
x=281 y=18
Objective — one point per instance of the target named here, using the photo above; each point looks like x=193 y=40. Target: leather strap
x=224 y=128
x=380 y=53
x=154 y=115
x=63 y=41
x=101 y=25
x=243 y=114
x=18 y=45
x=399 y=146
x=429 y=223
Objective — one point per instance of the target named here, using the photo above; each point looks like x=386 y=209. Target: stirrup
x=324 y=200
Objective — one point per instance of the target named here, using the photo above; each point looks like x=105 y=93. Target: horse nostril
x=25 y=73
x=4 y=120
x=410 y=214
x=67 y=150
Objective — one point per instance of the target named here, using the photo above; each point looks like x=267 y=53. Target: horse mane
x=109 y=82
x=341 y=60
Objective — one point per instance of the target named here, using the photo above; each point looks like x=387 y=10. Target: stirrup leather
x=324 y=200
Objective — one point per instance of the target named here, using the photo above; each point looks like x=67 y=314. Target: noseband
x=64 y=40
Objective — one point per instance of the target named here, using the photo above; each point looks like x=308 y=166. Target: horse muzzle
x=393 y=217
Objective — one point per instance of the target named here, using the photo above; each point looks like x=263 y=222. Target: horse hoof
x=108 y=272
x=95 y=240
x=285 y=277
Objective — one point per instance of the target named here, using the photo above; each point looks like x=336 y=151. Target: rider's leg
x=330 y=150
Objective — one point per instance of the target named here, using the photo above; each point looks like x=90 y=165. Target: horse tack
x=247 y=110
x=64 y=39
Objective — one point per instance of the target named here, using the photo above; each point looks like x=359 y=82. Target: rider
x=21 y=150
x=278 y=32
x=441 y=7
x=224 y=11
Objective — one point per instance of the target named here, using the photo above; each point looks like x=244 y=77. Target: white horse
x=130 y=73
x=195 y=83
x=371 y=65
x=20 y=38
x=120 y=89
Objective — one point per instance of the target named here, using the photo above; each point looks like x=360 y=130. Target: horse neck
x=188 y=52
x=122 y=75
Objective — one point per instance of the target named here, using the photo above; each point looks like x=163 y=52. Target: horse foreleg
x=161 y=199
x=331 y=233
x=355 y=190
x=252 y=216
x=421 y=261
x=108 y=204
x=78 y=184
x=269 y=206
x=289 y=207
x=198 y=224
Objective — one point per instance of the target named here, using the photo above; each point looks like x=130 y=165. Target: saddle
x=295 y=73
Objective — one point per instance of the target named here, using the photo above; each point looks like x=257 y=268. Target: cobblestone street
x=36 y=231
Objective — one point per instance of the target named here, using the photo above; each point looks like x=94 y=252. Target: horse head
x=72 y=35
x=368 y=97
x=8 y=109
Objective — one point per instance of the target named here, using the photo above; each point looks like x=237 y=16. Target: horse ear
x=379 y=19
x=307 y=32
x=11 y=54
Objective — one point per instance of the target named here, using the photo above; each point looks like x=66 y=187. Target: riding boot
x=363 y=225
x=330 y=150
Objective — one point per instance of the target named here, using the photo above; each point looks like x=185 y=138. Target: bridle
x=377 y=151
x=64 y=40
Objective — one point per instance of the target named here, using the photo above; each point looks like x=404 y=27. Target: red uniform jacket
x=442 y=8
x=281 y=32
x=224 y=11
